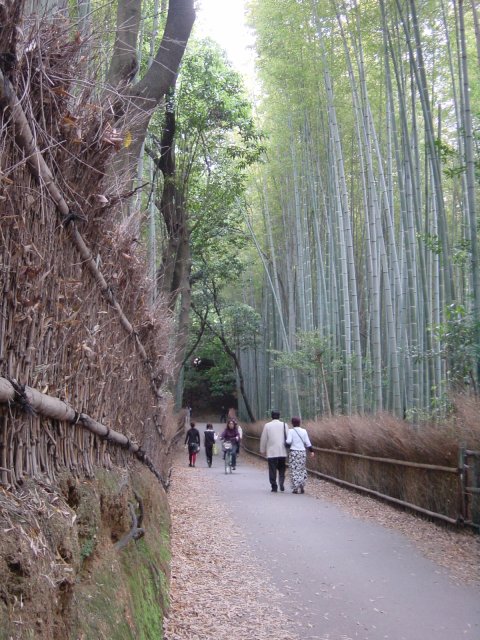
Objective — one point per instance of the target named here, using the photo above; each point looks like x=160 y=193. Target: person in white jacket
x=272 y=444
x=298 y=442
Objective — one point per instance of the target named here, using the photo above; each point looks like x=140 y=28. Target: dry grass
x=384 y=436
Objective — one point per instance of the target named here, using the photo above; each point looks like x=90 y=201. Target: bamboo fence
x=437 y=491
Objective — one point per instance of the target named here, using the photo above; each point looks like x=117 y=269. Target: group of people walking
x=276 y=441
x=232 y=433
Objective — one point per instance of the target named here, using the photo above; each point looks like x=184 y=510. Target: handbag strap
x=300 y=436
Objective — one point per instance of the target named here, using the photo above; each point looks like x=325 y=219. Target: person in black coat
x=192 y=440
x=209 y=440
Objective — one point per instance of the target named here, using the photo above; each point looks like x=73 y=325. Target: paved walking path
x=344 y=578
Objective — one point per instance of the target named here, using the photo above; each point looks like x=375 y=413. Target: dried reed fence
x=76 y=322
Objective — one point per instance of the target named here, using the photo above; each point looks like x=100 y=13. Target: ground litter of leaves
x=217 y=588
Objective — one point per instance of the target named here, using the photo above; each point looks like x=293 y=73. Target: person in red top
x=230 y=434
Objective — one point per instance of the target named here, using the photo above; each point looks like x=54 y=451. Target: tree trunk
x=124 y=63
x=241 y=382
x=135 y=107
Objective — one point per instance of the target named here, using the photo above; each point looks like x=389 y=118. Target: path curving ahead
x=343 y=577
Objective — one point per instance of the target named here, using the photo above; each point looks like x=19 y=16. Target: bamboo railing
x=436 y=491
x=19 y=458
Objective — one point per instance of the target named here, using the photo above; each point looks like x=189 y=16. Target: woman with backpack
x=192 y=440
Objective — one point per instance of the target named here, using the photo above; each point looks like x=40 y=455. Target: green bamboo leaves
x=370 y=227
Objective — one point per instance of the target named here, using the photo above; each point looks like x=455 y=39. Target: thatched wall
x=59 y=333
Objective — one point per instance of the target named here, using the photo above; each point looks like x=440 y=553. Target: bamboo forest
x=239 y=319
x=359 y=285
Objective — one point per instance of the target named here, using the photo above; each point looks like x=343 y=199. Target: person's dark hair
x=275 y=414
x=192 y=424
x=209 y=425
x=296 y=422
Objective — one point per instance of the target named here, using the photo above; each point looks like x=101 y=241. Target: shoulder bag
x=300 y=436
x=287 y=444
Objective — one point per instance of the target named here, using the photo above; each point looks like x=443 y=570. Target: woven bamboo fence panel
x=58 y=333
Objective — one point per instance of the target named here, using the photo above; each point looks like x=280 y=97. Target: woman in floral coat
x=299 y=442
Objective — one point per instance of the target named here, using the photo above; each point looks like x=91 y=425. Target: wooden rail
x=453 y=471
x=399 y=463
x=470 y=462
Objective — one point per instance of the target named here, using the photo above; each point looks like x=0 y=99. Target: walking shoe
x=274 y=490
x=295 y=491
x=282 y=488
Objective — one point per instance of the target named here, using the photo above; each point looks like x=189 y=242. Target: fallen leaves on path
x=217 y=590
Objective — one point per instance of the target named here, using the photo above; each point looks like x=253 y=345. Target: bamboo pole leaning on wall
x=33 y=401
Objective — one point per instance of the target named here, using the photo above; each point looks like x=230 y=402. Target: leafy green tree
x=235 y=325
x=203 y=146
x=209 y=376
x=458 y=335
x=314 y=358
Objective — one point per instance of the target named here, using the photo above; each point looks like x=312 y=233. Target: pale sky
x=224 y=21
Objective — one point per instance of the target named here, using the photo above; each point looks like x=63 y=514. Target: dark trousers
x=233 y=454
x=209 y=453
x=274 y=465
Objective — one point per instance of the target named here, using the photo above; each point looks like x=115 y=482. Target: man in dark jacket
x=209 y=440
